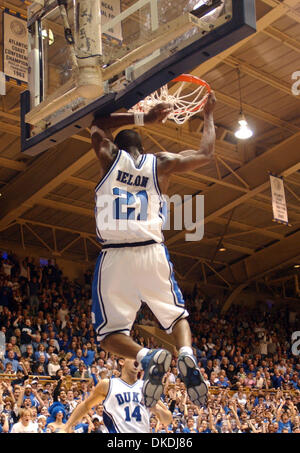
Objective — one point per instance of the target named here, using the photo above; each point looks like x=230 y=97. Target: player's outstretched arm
x=188 y=160
x=162 y=413
x=99 y=393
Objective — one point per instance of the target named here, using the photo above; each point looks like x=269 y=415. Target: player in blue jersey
x=134 y=265
x=123 y=408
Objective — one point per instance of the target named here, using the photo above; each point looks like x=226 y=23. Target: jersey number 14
x=135 y=414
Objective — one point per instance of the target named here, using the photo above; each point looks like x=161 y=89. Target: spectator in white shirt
x=259 y=380
x=6 y=265
x=281 y=366
x=25 y=425
x=263 y=345
x=241 y=398
x=210 y=344
x=53 y=365
x=62 y=313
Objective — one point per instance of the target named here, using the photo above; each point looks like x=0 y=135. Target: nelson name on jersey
x=130 y=180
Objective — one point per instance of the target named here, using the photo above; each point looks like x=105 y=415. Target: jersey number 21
x=122 y=209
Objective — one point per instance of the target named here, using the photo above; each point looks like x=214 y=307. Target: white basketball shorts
x=126 y=277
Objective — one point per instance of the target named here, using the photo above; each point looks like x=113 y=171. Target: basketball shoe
x=155 y=364
x=192 y=378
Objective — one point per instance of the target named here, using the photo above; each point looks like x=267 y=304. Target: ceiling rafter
x=66 y=247
x=260 y=75
x=291 y=206
x=26 y=190
x=268 y=208
x=92 y=237
x=72 y=208
x=247 y=228
x=282 y=37
x=205 y=281
x=230 y=235
x=279 y=255
x=38 y=237
x=9 y=116
x=257 y=113
x=289 y=146
x=231 y=246
x=12 y=164
x=289 y=6
x=10 y=129
x=235 y=174
x=22 y=220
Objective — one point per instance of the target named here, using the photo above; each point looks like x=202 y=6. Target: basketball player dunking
x=134 y=266
x=123 y=410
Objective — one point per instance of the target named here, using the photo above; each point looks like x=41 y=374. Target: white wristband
x=139 y=119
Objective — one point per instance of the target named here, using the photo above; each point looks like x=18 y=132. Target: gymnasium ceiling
x=47 y=201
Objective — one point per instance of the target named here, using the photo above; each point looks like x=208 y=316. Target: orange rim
x=192 y=79
x=197 y=81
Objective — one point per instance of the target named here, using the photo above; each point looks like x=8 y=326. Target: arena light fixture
x=244 y=132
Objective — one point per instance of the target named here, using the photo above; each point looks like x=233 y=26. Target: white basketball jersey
x=129 y=205
x=123 y=411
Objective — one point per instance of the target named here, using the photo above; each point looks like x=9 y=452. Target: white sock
x=186 y=349
x=141 y=354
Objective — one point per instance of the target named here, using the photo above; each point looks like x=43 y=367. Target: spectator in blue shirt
x=15 y=363
x=222 y=382
x=190 y=426
x=277 y=380
x=88 y=354
x=203 y=427
x=28 y=394
x=285 y=423
x=9 y=347
x=284 y=420
x=41 y=351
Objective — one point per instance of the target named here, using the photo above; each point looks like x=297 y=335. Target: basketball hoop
x=186 y=103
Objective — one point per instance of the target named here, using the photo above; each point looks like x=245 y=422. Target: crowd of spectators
x=50 y=359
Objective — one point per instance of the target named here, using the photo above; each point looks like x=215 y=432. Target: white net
x=187 y=99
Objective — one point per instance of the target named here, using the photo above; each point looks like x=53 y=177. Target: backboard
x=96 y=57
